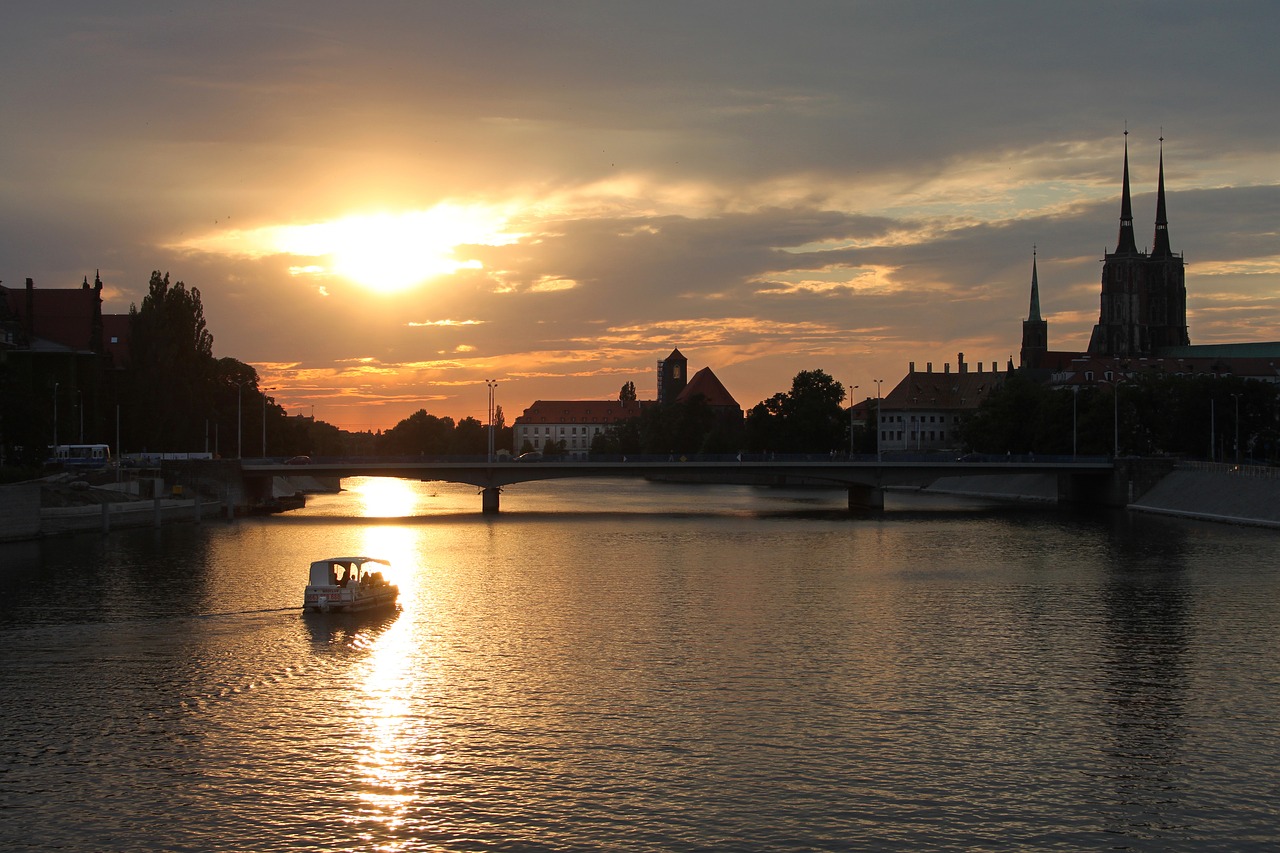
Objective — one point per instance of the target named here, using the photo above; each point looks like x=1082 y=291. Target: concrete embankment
x=112 y=516
x=1225 y=493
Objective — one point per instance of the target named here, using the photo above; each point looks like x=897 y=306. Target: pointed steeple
x=1034 y=314
x=1035 y=331
x=1125 y=243
x=1160 y=245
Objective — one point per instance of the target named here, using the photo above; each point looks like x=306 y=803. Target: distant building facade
x=58 y=353
x=578 y=422
x=574 y=422
x=924 y=412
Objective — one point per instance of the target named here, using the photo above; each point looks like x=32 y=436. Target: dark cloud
x=772 y=187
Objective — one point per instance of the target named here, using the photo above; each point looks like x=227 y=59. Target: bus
x=81 y=455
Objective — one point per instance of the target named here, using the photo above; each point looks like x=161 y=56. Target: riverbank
x=1235 y=494
x=1232 y=494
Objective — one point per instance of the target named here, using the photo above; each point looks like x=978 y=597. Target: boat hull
x=334 y=599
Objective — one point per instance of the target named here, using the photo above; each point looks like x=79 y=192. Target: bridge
x=1092 y=480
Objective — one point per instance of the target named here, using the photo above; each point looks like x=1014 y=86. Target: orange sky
x=385 y=205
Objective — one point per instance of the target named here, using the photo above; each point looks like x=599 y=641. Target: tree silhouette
x=171 y=368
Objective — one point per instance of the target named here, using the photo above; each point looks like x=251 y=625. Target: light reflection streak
x=389 y=782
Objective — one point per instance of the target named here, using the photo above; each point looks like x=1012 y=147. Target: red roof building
x=64 y=320
x=707 y=385
x=575 y=422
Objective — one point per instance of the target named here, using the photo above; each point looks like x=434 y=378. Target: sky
x=385 y=204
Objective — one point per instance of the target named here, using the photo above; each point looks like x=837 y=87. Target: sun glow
x=386 y=252
x=389 y=252
x=384 y=497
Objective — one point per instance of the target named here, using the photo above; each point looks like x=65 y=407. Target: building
x=58 y=352
x=1142 y=318
x=707 y=385
x=673 y=375
x=574 y=422
x=925 y=410
x=1144 y=296
x=578 y=422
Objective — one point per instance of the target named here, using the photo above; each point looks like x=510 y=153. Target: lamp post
x=55 y=416
x=239 y=420
x=879 y=418
x=1213 y=449
x=80 y=406
x=1236 y=448
x=492 y=385
x=1115 y=398
x=264 y=421
x=852 y=388
x=1075 y=398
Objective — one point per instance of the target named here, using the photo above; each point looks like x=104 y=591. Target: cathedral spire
x=1125 y=243
x=1034 y=314
x=1160 y=245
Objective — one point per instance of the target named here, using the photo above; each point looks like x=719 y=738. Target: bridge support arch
x=489 y=500
x=865 y=498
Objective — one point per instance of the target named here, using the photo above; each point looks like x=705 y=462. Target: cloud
x=770 y=187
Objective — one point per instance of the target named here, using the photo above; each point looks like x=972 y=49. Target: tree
x=807 y=419
x=171 y=369
x=627 y=394
x=420 y=434
x=470 y=438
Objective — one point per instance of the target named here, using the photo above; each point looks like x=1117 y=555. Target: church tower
x=1144 y=297
x=1166 y=282
x=1035 y=330
x=673 y=375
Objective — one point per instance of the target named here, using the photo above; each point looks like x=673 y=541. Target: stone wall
x=19 y=511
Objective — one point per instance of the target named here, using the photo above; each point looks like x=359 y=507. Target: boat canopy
x=337 y=570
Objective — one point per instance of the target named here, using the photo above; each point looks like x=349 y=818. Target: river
x=639 y=666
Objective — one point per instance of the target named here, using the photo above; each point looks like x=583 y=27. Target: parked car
x=298 y=460
x=531 y=456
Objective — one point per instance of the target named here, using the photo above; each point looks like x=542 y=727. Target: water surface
x=646 y=667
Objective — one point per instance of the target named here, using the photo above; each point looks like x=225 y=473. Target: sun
x=390 y=252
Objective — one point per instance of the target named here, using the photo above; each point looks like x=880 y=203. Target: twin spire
x=1125 y=243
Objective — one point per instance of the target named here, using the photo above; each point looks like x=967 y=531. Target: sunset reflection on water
x=647 y=667
x=382 y=706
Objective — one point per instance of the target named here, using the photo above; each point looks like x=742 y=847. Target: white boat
x=349 y=585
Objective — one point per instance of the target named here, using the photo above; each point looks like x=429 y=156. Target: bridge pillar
x=489 y=500
x=864 y=498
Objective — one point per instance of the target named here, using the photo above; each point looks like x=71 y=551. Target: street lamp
x=264 y=421
x=1115 y=398
x=55 y=416
x=239 y=420
x=852 y=388
x=492 y=385
x=80 y=406
x=879 y=418
x=1237 y=444
x=1075 y=398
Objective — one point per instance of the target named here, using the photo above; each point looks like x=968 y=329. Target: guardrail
x=1262 y=472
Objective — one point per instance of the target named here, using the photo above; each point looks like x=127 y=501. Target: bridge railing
x=1265 y=472
x=666 y=458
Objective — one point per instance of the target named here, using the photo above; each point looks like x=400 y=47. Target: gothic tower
x=1166 y=282
x=1144 y=297
x=1035 y=331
